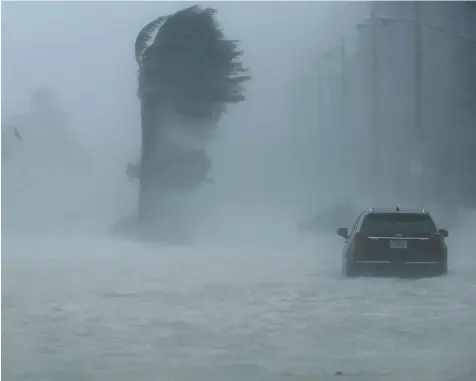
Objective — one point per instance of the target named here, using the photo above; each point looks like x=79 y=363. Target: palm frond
x=144 y=37
x=193 y=65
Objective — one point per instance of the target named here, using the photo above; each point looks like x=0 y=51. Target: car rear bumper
x=405 y=269
x=400 y=256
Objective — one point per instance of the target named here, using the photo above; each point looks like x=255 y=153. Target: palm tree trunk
x=147 y=174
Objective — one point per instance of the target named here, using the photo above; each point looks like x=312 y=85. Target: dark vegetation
x=188 y=74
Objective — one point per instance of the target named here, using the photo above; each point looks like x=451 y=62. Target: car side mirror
x=343 y=232
x=443 y=232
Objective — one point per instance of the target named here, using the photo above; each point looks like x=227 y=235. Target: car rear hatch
x=396 y=237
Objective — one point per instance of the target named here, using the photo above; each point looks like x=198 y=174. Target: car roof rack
x=397 y=209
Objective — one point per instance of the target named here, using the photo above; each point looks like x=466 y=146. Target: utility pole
x=345 y=118
x=418 y=79
x=320 y=94
x=345 y=88
x=375 y=128
x=420 y=148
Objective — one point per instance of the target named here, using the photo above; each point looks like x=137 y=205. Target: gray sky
x=84 y=50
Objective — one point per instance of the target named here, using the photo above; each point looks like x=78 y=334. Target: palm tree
x=186 y=69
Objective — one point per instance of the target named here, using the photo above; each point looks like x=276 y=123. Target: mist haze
x=250 y=296
x=103 y=111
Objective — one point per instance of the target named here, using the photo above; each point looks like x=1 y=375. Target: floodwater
x=83 y=306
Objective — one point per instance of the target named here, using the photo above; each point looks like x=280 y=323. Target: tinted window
x=393 y=223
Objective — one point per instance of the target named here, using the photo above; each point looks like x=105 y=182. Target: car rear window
x=395 y=223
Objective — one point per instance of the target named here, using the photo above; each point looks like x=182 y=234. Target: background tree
x=188 y=72
x=44 y=125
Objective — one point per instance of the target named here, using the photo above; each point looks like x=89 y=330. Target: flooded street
x=84 y=307
x=231 y=127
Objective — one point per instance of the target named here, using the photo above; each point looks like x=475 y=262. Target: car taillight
x=437 y=241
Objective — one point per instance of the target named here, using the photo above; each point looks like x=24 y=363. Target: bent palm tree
x=187 y=69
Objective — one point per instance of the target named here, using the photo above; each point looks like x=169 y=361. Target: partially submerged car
x=393 y=237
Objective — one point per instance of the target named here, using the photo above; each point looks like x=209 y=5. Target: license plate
x=398 y=244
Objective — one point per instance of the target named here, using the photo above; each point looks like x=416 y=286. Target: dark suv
x=395 y=237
